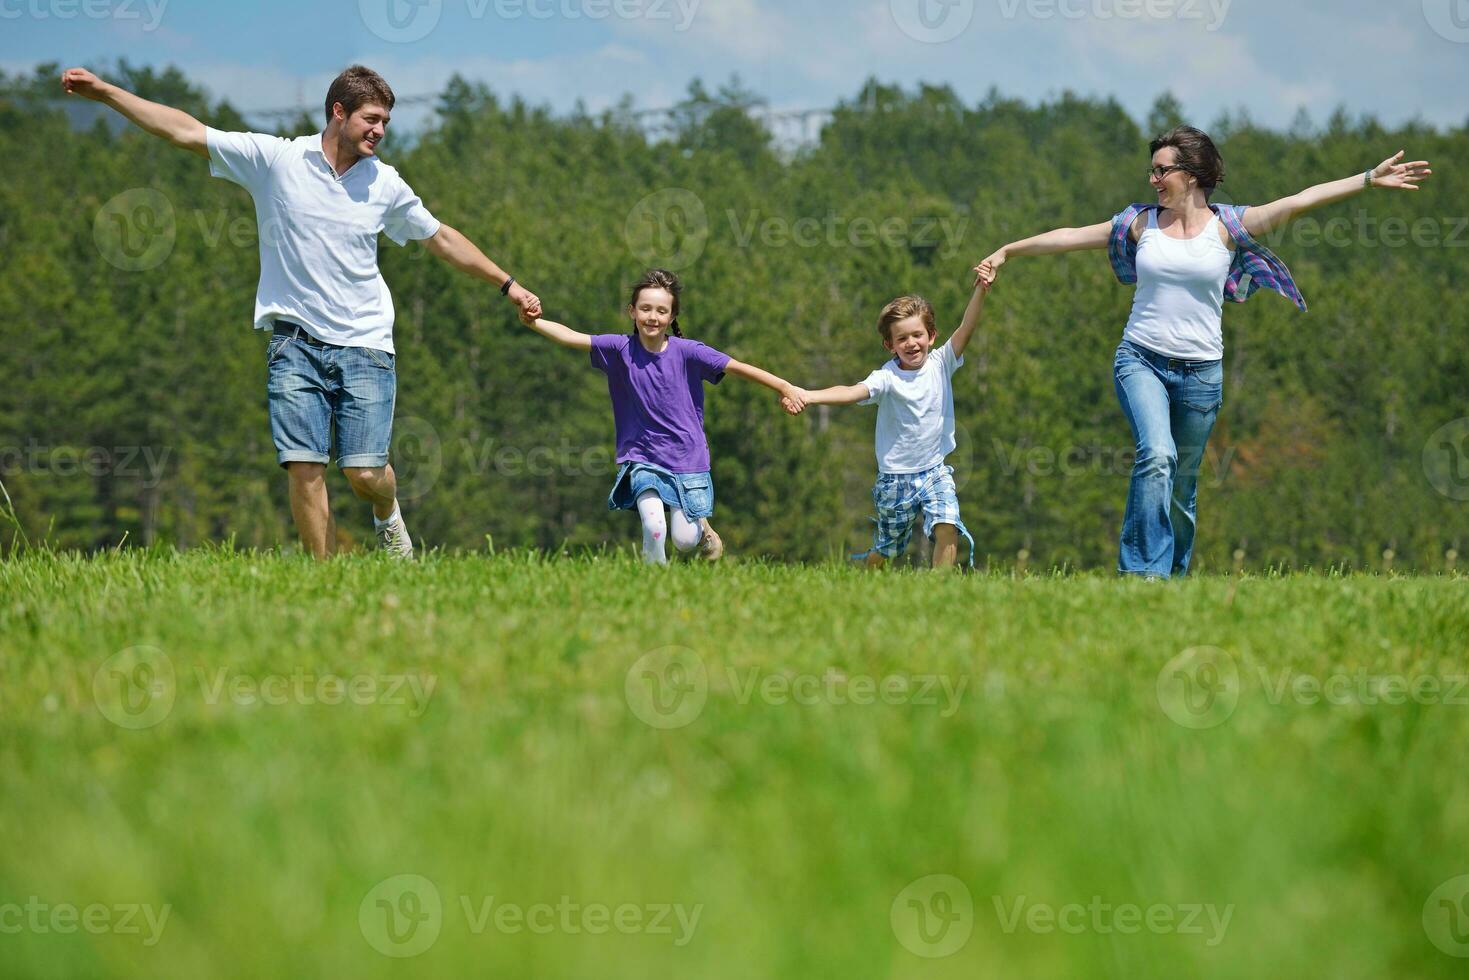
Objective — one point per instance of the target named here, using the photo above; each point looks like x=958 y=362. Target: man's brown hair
x=356 y=87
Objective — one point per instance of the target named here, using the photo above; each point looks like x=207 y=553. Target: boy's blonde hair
x=901 y=309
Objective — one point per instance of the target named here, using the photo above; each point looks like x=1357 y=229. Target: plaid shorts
x=901 y=496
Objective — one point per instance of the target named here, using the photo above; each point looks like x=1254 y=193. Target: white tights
x=686 y=533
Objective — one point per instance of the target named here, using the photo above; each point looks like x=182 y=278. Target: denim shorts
x=315 y=389
x=901 y=497
x=692 y=493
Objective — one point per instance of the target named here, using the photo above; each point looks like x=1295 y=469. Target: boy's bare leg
x=945 y=546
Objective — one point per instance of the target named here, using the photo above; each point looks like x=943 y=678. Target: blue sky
x=1396 y=59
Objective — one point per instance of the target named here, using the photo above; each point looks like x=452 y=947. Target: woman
x=1186 y=257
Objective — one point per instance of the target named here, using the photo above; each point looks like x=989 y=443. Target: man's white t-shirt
x=915 y=412
x=318 y=234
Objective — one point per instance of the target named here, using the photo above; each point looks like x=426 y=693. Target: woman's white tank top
x=1178 y=308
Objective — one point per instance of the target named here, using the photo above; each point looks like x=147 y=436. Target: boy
x=915 y=428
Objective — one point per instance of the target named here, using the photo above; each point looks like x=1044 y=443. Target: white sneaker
x=711 y=545
x=393 y=538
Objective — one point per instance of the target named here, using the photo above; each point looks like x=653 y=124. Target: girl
x=657 y=386
x=1187 y=257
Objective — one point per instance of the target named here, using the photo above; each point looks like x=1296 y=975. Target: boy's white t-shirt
x=915 y=412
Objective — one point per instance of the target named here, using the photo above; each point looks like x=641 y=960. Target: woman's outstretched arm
x=1390 y=174
x=1050 y=243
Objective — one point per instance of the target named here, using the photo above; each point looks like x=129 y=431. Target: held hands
x=525 y=301
x=793 y=399
x=79 y=81
x=989 y=269
x=1402 y=176
x=527 y=317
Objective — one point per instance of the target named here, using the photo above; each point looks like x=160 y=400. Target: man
x=320 y=202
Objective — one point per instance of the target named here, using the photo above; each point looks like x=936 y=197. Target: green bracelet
x=1367 y=178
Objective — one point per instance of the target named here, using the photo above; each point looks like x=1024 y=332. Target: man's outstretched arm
x=174 y=125
x=451 y=246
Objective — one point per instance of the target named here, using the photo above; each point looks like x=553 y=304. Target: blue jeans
x=1171 y=405
x=315 y=386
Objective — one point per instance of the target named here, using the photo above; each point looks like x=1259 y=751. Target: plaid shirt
x=1254 y=265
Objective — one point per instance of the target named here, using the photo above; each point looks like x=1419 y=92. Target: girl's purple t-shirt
x=658 y=399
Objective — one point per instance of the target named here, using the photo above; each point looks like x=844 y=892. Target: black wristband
x=505 y=289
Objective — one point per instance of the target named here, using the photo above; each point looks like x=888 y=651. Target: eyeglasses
x=1158 y=173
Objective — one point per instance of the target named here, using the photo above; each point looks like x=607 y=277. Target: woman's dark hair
x=1197 y=155
x=659 y=279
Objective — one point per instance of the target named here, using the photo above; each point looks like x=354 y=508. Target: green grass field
x=249 y=765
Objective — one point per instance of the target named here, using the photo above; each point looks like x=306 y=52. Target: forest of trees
x=133 y=403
